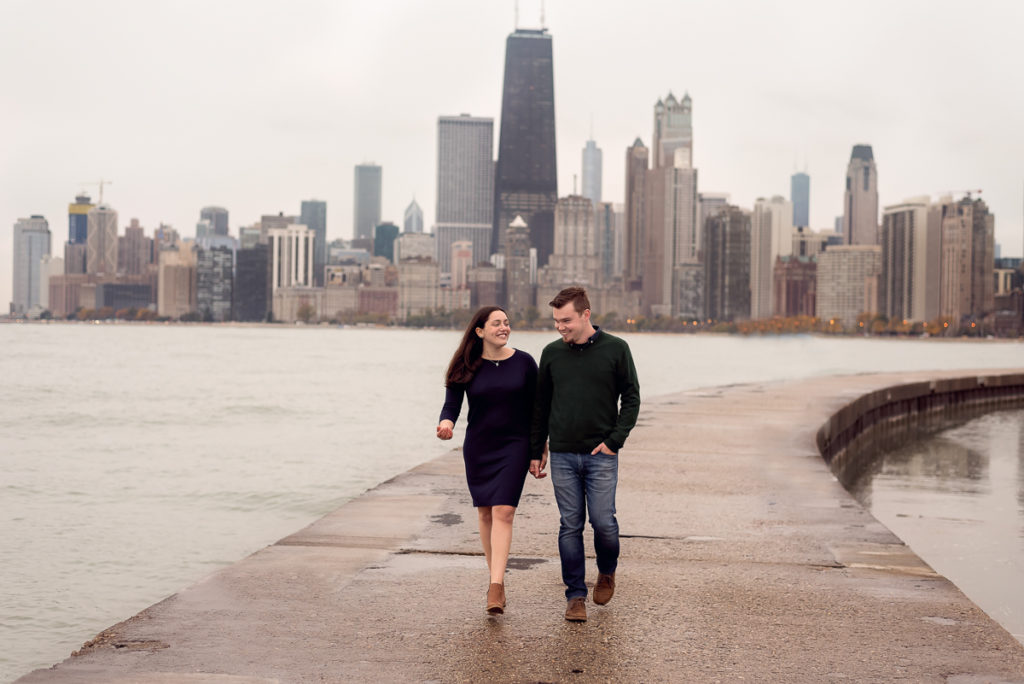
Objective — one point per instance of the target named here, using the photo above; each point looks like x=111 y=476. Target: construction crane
x=102 y=182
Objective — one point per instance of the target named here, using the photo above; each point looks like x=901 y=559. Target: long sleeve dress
x=496 y=450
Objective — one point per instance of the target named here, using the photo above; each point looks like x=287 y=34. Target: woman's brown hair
x=466 y=361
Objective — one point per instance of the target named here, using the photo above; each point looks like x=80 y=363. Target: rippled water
x=135 y=459
x=957 y=498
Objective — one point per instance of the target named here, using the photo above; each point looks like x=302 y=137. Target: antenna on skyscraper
x=100 y=183
x=542 y=14
x=516 y=3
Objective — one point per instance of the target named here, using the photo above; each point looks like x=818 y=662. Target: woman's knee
x=484 y=514
x=504 y=514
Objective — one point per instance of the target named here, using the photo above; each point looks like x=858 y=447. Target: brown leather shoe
x=576 y=611
x=496 y=598
x=604 y=589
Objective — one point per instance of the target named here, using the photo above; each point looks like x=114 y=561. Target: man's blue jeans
x=585 y=482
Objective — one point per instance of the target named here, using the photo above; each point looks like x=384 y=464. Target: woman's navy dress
x=497 y=446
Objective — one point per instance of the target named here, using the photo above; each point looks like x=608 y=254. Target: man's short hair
x=576 y=295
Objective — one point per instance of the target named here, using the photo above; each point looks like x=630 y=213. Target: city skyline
x=808 y=102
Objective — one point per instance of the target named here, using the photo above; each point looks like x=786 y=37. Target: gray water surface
x=956 y=497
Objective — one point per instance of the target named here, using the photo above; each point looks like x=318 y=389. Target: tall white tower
x=860 y=200
x=31 y=244
x=771 y=236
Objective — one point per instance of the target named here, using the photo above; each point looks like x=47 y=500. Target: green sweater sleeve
x=628 y=386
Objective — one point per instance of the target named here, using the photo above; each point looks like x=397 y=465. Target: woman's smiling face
x=496 y=329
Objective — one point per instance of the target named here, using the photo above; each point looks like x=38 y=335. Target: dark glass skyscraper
x=366 y=212
x=384 y=237
x=251 y=294
x=525 y=181
x=78 y=220
x=314 y=216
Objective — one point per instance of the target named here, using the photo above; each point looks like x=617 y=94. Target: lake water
x=956 y=496
x=136 y=459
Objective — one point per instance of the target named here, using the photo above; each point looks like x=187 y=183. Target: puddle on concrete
x=524 y=563
x=446 y=519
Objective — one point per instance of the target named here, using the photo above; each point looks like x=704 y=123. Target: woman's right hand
x=444 y=429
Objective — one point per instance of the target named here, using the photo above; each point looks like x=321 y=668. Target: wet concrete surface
x=743 y=559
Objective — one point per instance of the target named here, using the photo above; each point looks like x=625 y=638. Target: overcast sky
x=257 y=105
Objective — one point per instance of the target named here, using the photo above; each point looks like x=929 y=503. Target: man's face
x=572 y=326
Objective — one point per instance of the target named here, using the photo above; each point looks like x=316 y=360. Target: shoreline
x=375 y=326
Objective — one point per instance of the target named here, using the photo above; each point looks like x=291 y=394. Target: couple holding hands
x=583 y=400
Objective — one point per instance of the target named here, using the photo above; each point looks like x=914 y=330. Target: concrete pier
x=743 y=559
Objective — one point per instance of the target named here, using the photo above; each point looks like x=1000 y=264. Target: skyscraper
x=313 y=215
x=78 y=221
x=461 y=261
x=366 y=212
x=800 y=196
x=847 y=283
x=78 y=233
x=710 y=204
x=176 y=284
x=218 y=218
x=636 y=212
x=672 y=240
x=672 y=144
x=101 y=243
x=607 y=226
x=968 y=259
x=727 y=265
x=465 y=187
x=251 y=292
x=860 y=201
x=412 y=222
x=771 y=236
x=215 y=264
x=518 y=286
x=134 y=251
x=575 y=258
x=526 y=181
x=291 y=255
x=592 y=172
x=384 y=236
x=31 y=244
x=909 y=287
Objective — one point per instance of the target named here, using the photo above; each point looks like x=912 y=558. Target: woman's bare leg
x=483 y=514
x=501 y=518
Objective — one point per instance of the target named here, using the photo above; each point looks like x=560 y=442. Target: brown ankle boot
x=496 y=598
x=604 y=589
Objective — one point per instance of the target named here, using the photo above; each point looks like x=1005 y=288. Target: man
x=580 y=383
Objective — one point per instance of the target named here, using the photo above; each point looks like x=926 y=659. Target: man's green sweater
x=579 y=387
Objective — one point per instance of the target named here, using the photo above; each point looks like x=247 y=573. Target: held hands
x=537 y=466
x=444 y=429
x=602 y=449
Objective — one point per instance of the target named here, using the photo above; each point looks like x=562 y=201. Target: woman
x=500 y=383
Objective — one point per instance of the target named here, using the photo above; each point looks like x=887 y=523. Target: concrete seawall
x=743 y=559
x=850 y=439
